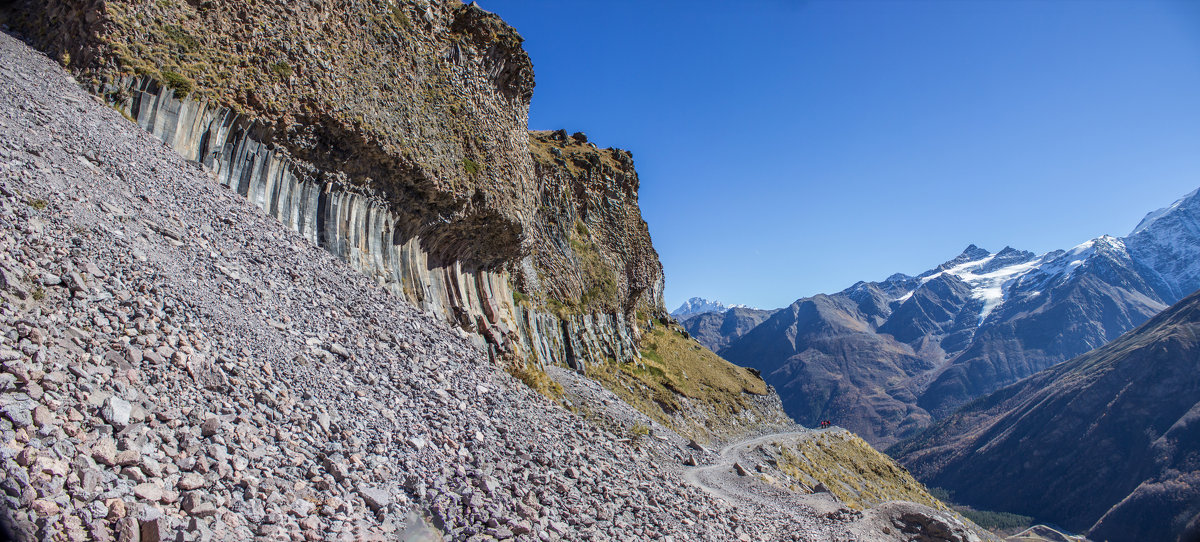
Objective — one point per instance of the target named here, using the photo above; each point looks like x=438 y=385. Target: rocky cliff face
x=394 y=136
x=1108 y=442
x=602 y=257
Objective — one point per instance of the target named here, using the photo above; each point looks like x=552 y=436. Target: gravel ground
x=178 y=364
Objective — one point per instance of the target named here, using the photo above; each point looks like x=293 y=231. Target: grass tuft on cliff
x=536 y=379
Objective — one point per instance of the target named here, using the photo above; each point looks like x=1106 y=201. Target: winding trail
x=721 y=480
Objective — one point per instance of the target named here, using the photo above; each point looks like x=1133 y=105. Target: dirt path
x=721 y=479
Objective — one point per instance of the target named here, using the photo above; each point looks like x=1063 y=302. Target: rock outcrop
x=399 y=145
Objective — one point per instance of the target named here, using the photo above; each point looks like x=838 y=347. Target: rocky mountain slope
x=399 y=145
x=1107 y=443
x=715 y=330
x=419 y=171
x=177 y=364
x=884 y=358
x=699 y=305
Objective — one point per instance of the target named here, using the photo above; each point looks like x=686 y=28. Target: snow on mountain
x=699 y=305
x=1165 y=244
x=1168 y=241
x=1153 y=216
x=987 y=274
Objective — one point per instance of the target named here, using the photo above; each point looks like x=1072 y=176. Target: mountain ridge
x=1105 y=442
x=968 y=326
x=699 y=305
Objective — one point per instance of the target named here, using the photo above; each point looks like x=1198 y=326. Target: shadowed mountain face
x=884 y=358
x=1108 y=442
x=835 y=363
x=716 y=330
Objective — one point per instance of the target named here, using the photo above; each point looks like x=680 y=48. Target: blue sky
x=792 y=148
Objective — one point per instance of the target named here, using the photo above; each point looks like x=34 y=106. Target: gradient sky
x=787 y=148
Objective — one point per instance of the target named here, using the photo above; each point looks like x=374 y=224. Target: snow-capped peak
x=699 y=305
x=1153 y=216
x=987 y=276
x=1168 y=241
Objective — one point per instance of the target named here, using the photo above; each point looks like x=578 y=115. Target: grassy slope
x=855 y=472
x=674 y=370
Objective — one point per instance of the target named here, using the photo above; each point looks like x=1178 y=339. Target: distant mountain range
x=886 y=358
x=699 y=305
x=717 y=329
x=1107 y=443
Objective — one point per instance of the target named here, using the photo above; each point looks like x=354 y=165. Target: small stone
x=190 y=481
x=339 y=350
x=211 y=426
x=152 y=530
x=116 y=508
x=20 y=413
x=26 y=457
x=148 y=491
x=105 y=452
x=311 y=523
x=45 y=508
x=521 y=528
x=128 y=531
x=75 y=282
x=376 y=499
x=190 y=501
x=128 y=458
x=203 y=510
x=741 y=471
x=116 y=411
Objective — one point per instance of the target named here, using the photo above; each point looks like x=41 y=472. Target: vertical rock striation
x=361 y=228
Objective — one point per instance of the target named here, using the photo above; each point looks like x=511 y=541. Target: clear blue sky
x=788 y=148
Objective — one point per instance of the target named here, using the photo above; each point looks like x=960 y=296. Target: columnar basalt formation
x=394 y=136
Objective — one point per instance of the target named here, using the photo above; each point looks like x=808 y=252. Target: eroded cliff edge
x=394 y=135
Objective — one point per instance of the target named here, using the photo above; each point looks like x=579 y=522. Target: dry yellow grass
x=855 y=472
x=673 y=367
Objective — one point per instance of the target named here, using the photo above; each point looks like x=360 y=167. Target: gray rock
x=20 y=413
x=190 y=481
x=377 y=499
x=75 y=282
x=210 y=427
x=116 y=412
x=10 y=282
x=339 y=350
